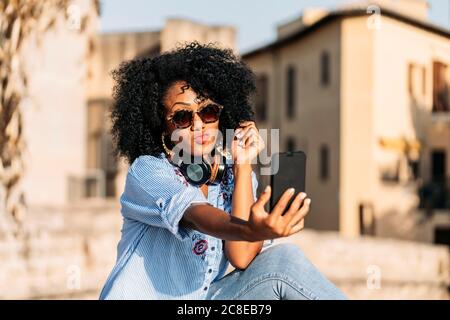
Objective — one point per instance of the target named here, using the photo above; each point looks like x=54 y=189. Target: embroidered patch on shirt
x=200 y=247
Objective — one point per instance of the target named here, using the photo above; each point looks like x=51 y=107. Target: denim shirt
x=156 y=257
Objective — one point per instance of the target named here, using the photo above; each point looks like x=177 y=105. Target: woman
x=178 y=237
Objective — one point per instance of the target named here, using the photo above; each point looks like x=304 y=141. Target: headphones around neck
x=203 y=172
x=199 y=171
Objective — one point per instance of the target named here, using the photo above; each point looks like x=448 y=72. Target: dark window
x=325 y=68
x=366 y=219
x=261 y=97
x=324 y=163
x=415 y=169
x=438 y=159
x=291 y=84
x=290 y=144
x=440 y=88
x=442 y=236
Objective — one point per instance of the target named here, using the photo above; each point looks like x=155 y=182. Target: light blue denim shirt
x=156 y=257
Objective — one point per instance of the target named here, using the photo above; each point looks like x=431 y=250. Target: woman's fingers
x=252 y=140
x=300 y=214
x=280 y=206
x=263 y=198
x=244 y=134
x=298 y=227
x=295 y=206
x=246 y=123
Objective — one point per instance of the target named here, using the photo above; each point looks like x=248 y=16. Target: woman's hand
x=264 y=225
x=248 y=143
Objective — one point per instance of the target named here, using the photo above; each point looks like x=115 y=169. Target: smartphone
x=288 y=170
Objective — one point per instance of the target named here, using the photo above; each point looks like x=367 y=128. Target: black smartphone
x=288 y=170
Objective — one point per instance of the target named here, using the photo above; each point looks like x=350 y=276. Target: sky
x=255 y=20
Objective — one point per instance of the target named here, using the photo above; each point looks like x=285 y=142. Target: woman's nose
x=197 y=122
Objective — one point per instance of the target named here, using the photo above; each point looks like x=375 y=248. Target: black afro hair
x=137 y=113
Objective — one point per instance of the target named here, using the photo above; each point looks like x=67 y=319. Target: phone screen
x=288 y=170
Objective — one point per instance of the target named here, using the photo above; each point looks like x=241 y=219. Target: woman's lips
x=202 y=139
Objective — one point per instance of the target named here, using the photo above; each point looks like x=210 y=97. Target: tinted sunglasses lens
x=182 y=118
x=210 y=113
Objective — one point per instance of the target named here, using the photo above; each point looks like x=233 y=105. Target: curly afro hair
x=140 y=85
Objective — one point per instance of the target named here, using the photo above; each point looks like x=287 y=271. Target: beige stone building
x=364 y=91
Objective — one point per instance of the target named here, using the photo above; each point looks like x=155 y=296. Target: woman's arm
x=217 y=223
x=245 y=230
x=241 y=253
x=260 y=226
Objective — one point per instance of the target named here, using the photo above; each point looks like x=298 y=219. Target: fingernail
x=308 y=201
x=291 y=190
x=267 y=189
x=302 y=195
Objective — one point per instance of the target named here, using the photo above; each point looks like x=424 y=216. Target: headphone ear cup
x=221 y=171
x=196 y=173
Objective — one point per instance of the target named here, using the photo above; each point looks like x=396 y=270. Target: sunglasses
x=184 y=118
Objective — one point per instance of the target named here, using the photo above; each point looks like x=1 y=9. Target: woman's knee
x=281 y=258
x=287 y=259
x=285 y=251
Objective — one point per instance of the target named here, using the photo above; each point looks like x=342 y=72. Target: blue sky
x=255 y=20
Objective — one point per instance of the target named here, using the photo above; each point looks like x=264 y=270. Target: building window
x=438 y=165
x=290 y=144
x=442 y=236
x=424 y=81
x=440 y=88
x=325 y=69
x=261 y=97
x=291 y=93
x=324 y=165
x=414 y=166
x=410 y=79
x=101 y=162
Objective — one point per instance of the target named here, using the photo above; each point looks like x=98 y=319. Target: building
x=54 y=113
x=363 y=90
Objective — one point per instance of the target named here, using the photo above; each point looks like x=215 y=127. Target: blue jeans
x=280 y=272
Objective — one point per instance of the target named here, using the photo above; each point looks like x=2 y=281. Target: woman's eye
x=180 y=114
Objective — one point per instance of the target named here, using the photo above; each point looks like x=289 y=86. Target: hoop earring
x=167 y=150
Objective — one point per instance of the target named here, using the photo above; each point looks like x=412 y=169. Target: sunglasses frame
x=170 y=118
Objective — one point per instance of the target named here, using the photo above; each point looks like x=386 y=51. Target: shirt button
x=210 y=270
x=205 y=288
x=212 y=248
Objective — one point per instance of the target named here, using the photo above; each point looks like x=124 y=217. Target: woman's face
x=198 y=139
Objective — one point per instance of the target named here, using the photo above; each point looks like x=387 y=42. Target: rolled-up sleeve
x=154 y=195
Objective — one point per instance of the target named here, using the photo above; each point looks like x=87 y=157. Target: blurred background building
x=363 y=89
x=368 y=100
